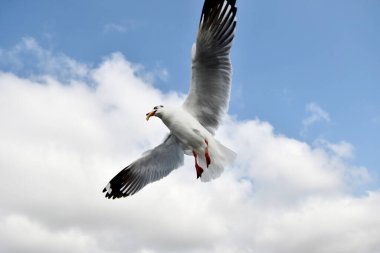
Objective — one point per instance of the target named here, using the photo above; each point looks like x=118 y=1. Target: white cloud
x=29 y=58
x=342 y=149
x=61 y=143
x=114 y=28
x=315 y=114
x=37 y=238
x=120 y=27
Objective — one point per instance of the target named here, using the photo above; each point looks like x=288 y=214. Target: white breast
x=186 y=128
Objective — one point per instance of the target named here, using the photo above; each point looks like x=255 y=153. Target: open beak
x=150 y=114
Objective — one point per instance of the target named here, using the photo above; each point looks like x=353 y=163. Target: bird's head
x=157 y=111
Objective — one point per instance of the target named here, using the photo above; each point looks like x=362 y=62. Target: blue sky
x=305 y=124
x=286 y=54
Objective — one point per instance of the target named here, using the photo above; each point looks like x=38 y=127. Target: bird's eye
x=155 y=108
x=161 y=106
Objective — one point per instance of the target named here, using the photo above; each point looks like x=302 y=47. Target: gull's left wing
x=211 y=67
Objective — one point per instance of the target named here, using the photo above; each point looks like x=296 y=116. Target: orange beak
x=150 y=114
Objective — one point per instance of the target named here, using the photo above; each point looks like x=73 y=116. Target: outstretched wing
x=211 y=67
x=154 y=165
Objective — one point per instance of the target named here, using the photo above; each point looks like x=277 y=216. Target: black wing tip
x=209 y=4
x=114 y=194
x=124 y=184
x=109 y=192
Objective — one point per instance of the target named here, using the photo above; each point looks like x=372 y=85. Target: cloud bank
x=63 y=139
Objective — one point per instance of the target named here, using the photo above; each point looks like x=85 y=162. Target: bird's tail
x=220 y=157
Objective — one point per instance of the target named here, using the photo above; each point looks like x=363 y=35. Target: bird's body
x=193 y=124
x=195 y=139
x=186 y=128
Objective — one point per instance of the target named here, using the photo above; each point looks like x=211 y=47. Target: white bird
x=193 y=124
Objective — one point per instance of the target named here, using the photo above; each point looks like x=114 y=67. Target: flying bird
x=193 y=124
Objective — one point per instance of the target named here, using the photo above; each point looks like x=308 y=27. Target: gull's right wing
x=211 y=67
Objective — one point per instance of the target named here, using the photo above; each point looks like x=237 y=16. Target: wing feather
x=211 y=67
x=153 y=166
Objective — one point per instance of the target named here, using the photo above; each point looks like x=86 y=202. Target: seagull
x=192 y=125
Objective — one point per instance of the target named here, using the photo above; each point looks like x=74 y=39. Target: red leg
x=208 y=160
x=197 y=167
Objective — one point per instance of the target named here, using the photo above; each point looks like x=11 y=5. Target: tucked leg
x=208 y=160
x=197 y=167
